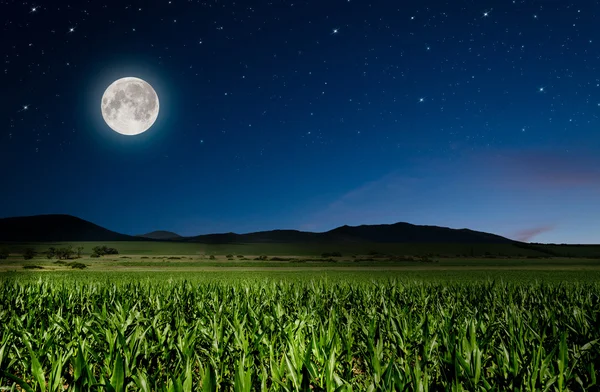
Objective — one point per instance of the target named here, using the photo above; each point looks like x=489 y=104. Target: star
x=33 y=9
x=541 y=89
x=72 y=29
x=335 y=31
x=421 y=99
x=485 y=14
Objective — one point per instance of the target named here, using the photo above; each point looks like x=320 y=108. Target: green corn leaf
x=17 y=380
x=209 y=381
x=37 y=371
x=117 y=380
x=141 y=381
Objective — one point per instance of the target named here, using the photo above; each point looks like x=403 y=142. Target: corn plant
x=298 y=336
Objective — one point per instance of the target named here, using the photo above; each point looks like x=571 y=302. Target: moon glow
x=130 y=106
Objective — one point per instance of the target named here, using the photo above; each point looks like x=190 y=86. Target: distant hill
x=394 y=233
x=160 y=235
x=64 y=228
x=42 y=228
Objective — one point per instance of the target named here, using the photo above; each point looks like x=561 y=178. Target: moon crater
x=130 y=106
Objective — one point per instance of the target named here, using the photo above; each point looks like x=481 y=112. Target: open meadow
x=169 y=317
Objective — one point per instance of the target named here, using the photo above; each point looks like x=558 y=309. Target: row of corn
x=298 y=336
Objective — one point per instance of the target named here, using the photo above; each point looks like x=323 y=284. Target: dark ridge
x=42 y=228
x=395 y=233
x=160 y=235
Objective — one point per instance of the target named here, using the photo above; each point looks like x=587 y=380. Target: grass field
x=167 y=317
x=188 y=259
x=453 y=250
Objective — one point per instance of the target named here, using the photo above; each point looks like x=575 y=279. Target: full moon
x=130 y=106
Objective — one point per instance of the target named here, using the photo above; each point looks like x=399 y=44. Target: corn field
x=298 y=336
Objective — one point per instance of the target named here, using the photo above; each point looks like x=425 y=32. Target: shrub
x=240 y=256
x=282 y=258
x=78 y=265
x=230 y=256
x=262 y=258
x=212 y=257
x=32 y=267
x=94 y=255
x=331 y=254
x=104 y=250
x=28 y=253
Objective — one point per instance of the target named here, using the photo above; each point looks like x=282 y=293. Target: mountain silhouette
x=69 y=228
x=393 y=233
x=160 y=235
x=40 y=228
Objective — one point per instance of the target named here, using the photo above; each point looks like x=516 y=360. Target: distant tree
x=212 y=257
x=426 y=259
x=64 y=253
x=104 y=250
x=51 y=252
x=4 y=253
x=79 y=251
x=28 y=253
x=229 y=256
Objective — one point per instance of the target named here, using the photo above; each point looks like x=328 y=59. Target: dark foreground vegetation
x=298 y=335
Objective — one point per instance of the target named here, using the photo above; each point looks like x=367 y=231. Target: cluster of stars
x=372 y=67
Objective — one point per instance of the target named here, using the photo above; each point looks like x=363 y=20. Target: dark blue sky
x=308 y=115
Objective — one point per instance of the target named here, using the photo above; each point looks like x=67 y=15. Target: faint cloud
x=527 y=234
x=538 y=168
x=373 y=202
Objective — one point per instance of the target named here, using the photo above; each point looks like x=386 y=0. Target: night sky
x=307 y=115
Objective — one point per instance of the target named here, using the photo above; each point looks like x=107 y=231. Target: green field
x=167 y=317
x=176 y=335
x=450 y=250
x=205 y=262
